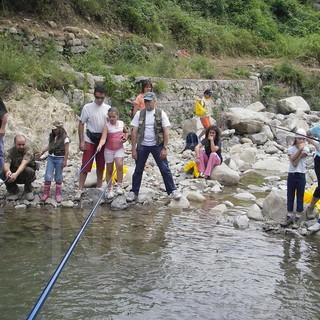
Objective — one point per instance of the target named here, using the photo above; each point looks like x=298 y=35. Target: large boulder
x=225 y=175
x=275 y=205
x=292 y=104
x=245 y=120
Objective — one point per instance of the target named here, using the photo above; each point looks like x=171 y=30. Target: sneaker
x=296 y=223
x=78 y=195
x=131 y=196
x=310 y=213
x=176 y=195
x=110 y=195
x=287 y=223
x=315 y=227
x=29 y=196
x=119 y=190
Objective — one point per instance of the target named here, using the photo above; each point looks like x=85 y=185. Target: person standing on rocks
x=3 y=123
x=58 y=148
x=296 y=181
x=150 y=134
x=94 y=116
x=114 y=135
x=315 y=132
x=146 y=86
x=211 y=157
x=207 y=103
x=19 y=168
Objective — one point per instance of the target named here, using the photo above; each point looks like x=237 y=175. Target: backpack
x=191 y=141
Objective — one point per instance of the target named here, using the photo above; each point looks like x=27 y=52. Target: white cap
x=301 y=133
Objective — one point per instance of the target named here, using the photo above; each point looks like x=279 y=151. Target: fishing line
x=287 y=130
x=36 y=308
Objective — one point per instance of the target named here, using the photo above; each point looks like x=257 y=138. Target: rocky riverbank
x=249 y=187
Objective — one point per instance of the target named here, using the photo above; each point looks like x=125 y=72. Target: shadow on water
x=151 y=262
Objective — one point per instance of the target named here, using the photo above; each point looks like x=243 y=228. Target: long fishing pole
x=287 y=130
x=35 y=310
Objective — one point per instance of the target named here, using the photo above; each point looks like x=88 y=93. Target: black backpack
x=191 y=141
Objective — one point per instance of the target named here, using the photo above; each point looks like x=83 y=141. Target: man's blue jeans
x=295 y=186
x=143 y=154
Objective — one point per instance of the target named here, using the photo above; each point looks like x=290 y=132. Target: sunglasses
x=99 y=98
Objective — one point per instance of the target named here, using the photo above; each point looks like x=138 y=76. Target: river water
x=154 y=263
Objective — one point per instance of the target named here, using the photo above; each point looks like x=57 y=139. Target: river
x=149 y=262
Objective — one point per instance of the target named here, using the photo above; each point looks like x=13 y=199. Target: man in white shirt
x=94 y=115
x=150 y=134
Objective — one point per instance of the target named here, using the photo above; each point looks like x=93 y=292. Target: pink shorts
x=88 y=154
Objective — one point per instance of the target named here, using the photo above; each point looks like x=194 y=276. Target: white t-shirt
x=149 y=133
x=95 y=117
x=301 y=167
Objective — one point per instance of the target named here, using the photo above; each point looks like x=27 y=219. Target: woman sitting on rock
x=211 y=156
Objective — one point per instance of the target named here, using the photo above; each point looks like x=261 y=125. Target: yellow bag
x=308 y=196
x=192 y=168
x=199 y=109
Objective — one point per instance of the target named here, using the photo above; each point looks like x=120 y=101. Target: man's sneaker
x=310 y=213
x=131 y=196
x=176 y=195
x=29 y=196
x=78 y=195
x=287 y=223
x=315 y=227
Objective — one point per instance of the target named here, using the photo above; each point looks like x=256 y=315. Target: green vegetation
x=283 y=29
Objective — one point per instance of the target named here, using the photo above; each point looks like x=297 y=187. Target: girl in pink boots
x=58 y=148
x=211 y=156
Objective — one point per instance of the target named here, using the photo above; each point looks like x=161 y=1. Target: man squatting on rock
x=19 y=168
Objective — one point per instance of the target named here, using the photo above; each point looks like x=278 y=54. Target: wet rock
x=183 y=203
x=275 y=206
x=241 y=222
x=119 y=203
x=196 y=197
x=254 y=213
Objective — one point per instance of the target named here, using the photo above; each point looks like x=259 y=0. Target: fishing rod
x=36 y=308
x=287 y=130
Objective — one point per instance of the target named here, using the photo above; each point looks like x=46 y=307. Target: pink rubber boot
x=46 y=191
x=58 y=192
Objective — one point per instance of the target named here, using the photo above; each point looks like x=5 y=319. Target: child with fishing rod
x=58 y=148
x=114 y=135
x=315 y=132
x=296 y=180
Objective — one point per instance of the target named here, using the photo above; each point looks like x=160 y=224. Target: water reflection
x=154 y=263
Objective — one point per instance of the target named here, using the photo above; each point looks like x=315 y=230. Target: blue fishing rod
x=35 y=310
